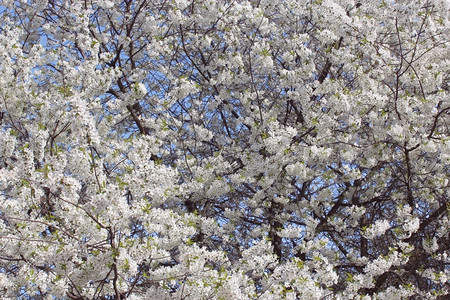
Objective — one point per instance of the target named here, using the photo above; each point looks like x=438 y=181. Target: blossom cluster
x=224 y=149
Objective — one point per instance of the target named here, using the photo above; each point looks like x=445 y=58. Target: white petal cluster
x=224 y=149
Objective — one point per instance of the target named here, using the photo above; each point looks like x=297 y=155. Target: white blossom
x=224 y=149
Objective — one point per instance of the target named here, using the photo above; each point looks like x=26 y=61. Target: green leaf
x=265 y=52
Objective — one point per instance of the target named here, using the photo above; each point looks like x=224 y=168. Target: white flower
x=411 y=225
x=430 y=245
x=376 y=229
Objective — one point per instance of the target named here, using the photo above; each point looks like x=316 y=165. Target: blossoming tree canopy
x=224 y=149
